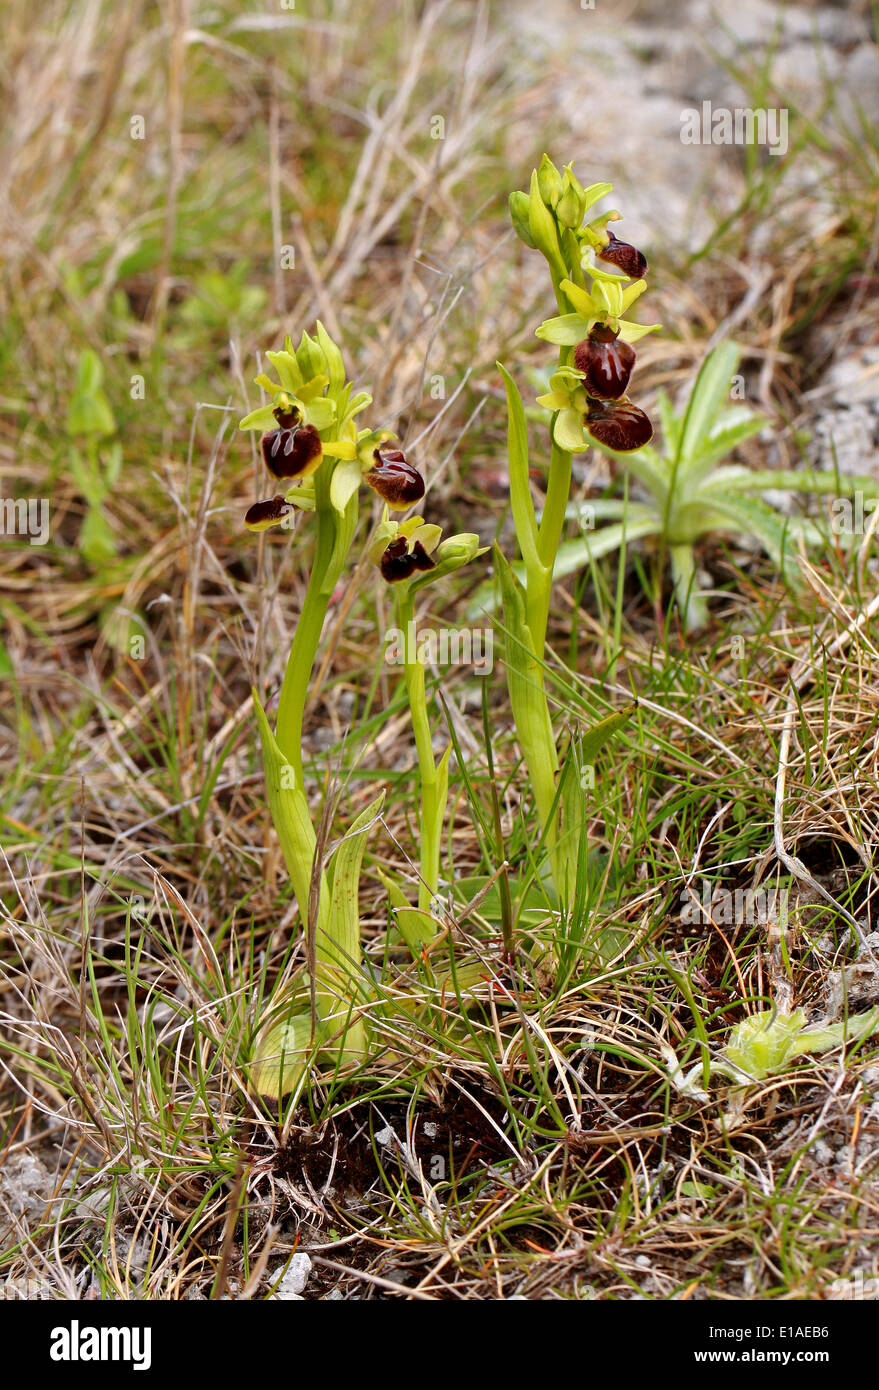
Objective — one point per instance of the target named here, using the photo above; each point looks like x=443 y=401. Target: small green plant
x=691 y=493
x=95 y=456
x=767 y=1043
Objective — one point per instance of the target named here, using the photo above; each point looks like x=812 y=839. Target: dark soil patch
x=450 y=1141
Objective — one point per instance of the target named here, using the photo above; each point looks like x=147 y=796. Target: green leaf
x=89 y=412
x=752 y=517
x=529 y=899
x=573 y=555
x=417 y=928
x=594 y=193
x=800 y=481
x=722 y=442
x=6 y=667
x=710 y=392
x=97 y=543
x=292 y=822
x=344 y=483
x=88 y=479
x=520 y=486
x=282 y=1050
x=118 y=627
x=767 y=1041
x=670 y=422
x=593 y=740
x=691 y=601
x=647 y=466
x=342 y=947
x=541 y=225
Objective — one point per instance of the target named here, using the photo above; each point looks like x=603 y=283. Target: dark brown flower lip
x=287 y=453
x=606 y=363
x=399 y=562
x=618 y=425
x=626 y=258
x=395 y=479
x=268 y=513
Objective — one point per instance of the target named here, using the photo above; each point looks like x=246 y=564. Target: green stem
x=549 y=537
x=432 y=792
x=543 y=763
x=300 y=663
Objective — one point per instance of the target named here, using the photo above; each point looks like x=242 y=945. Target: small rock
x=295 y=1278
x=858 y=93
x=26 y=1186
x=848 y=436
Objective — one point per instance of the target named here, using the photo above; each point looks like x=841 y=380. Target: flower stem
x=543 y=762
x=432 y=789
x=300 y=663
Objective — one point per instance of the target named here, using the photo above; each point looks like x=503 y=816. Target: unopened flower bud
x=571 y=205
x=457 y=550
x=519 y=205
x=549 y=181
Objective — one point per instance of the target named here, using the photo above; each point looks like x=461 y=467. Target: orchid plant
x=589 y=403
x=311 y=443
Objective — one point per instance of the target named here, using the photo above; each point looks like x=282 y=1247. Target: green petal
x=631 y=332
x=631 y=293
x=285 y=365
x=568 y=432
x=320 y=413
x=345 y=482
x=314 y=388
x=554 y=400
x=335 y=364
x=595 y=192
x=564 y=331
x=581 y=299
x=606 y=275
x=261 y=419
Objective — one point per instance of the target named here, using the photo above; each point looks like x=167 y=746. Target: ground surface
x=533 y=1143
